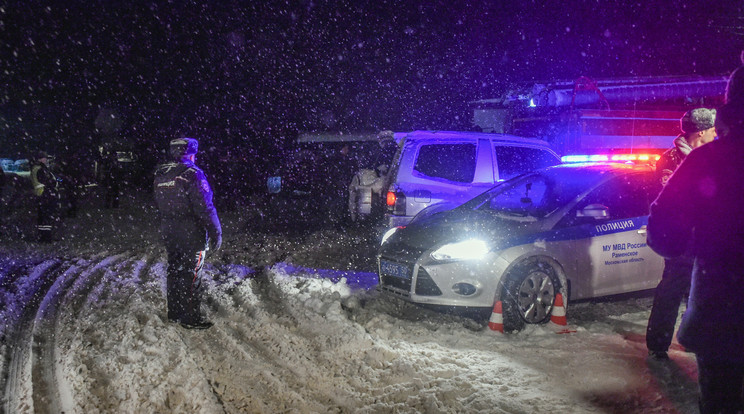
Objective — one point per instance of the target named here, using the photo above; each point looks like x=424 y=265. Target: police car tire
x=521 y=278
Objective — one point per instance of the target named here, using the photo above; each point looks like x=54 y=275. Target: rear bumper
x=396 y=221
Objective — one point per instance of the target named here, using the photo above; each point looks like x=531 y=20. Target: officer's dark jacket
x=672 y=158
x=187 y=213
x=703 y=202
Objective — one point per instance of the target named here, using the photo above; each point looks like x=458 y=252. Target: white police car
x=577 y=229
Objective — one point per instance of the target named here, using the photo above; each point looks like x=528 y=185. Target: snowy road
x=84 y=330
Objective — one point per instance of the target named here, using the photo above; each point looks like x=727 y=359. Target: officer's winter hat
x=183 y=147
x=698 y=119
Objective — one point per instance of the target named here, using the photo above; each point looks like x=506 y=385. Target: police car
x=575 y=229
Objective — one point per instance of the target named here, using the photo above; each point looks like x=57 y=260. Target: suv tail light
x=396 y=203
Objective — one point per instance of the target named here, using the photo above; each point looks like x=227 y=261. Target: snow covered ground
x=83 y=330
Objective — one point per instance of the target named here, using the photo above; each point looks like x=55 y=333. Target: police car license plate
x=394 y=269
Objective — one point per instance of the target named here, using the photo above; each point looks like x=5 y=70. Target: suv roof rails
x=425 y=134
x=336 y=137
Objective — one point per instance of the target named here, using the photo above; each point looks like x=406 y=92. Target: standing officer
x=701 y=211
x=110 y=178
x=3 y=207
x=698 y=128
x=47 y=193
x=189 y=226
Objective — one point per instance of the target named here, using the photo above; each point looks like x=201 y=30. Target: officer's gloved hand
x=215 y=243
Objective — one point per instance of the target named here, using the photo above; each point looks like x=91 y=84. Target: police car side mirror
x=596 y=211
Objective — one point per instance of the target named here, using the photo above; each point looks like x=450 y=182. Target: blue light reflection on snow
x=354 y=278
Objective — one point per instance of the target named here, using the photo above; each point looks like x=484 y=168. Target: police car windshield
x=534 y=195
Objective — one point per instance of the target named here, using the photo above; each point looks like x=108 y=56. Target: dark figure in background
x=110 y=178
x=385 y=158
x=3 y=207
x=697 y=129
x=342 y=171
x=70 y=182
x=46 y=189
x=189 y=226
x=388 y=148
x=702 y=206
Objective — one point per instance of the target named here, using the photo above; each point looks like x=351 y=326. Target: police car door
x=612 y=255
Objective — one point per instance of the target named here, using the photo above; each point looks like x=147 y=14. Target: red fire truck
x=627 y=117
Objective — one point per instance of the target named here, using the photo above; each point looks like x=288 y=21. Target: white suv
x=434 y=171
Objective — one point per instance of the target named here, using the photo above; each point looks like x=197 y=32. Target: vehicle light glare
x=614 y=157
x=464 y=250
x=387 y=234
x=390 y=199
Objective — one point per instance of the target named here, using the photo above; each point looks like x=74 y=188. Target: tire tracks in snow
x=32 y=283
x=34 y=352
x=257 y=362
x=220 y=372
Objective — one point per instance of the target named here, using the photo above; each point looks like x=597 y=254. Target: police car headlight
x=464 y=250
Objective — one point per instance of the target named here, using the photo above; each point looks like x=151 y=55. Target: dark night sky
x=251 y=74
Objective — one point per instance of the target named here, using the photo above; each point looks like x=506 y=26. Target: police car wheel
x=529 y=293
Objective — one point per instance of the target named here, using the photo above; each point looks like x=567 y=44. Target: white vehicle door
x=447 y=173
x=609 y=252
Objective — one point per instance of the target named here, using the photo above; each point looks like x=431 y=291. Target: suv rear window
x=453 y=162
x=513 y=161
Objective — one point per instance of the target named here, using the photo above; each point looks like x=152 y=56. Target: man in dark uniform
x=3 y=207
x=47 y=191
x=110 y=178
x=698 y=128
x=189 y=226
x=342 y=170
x=701 y=211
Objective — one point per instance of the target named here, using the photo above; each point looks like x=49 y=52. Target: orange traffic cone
x=496 y=322
x=558 y=316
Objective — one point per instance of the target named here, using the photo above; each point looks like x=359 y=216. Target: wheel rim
x=535 y=297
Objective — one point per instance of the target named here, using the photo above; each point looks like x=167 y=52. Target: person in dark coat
x=342 y=170
x=3 y=207
x=189 y=226
x=71 y=182
x=702 y=206
x=46 y=189
x=697 y=129
x=110 y=178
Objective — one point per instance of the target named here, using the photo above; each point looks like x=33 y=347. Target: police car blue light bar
x=613 y=157
x=585 y=158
